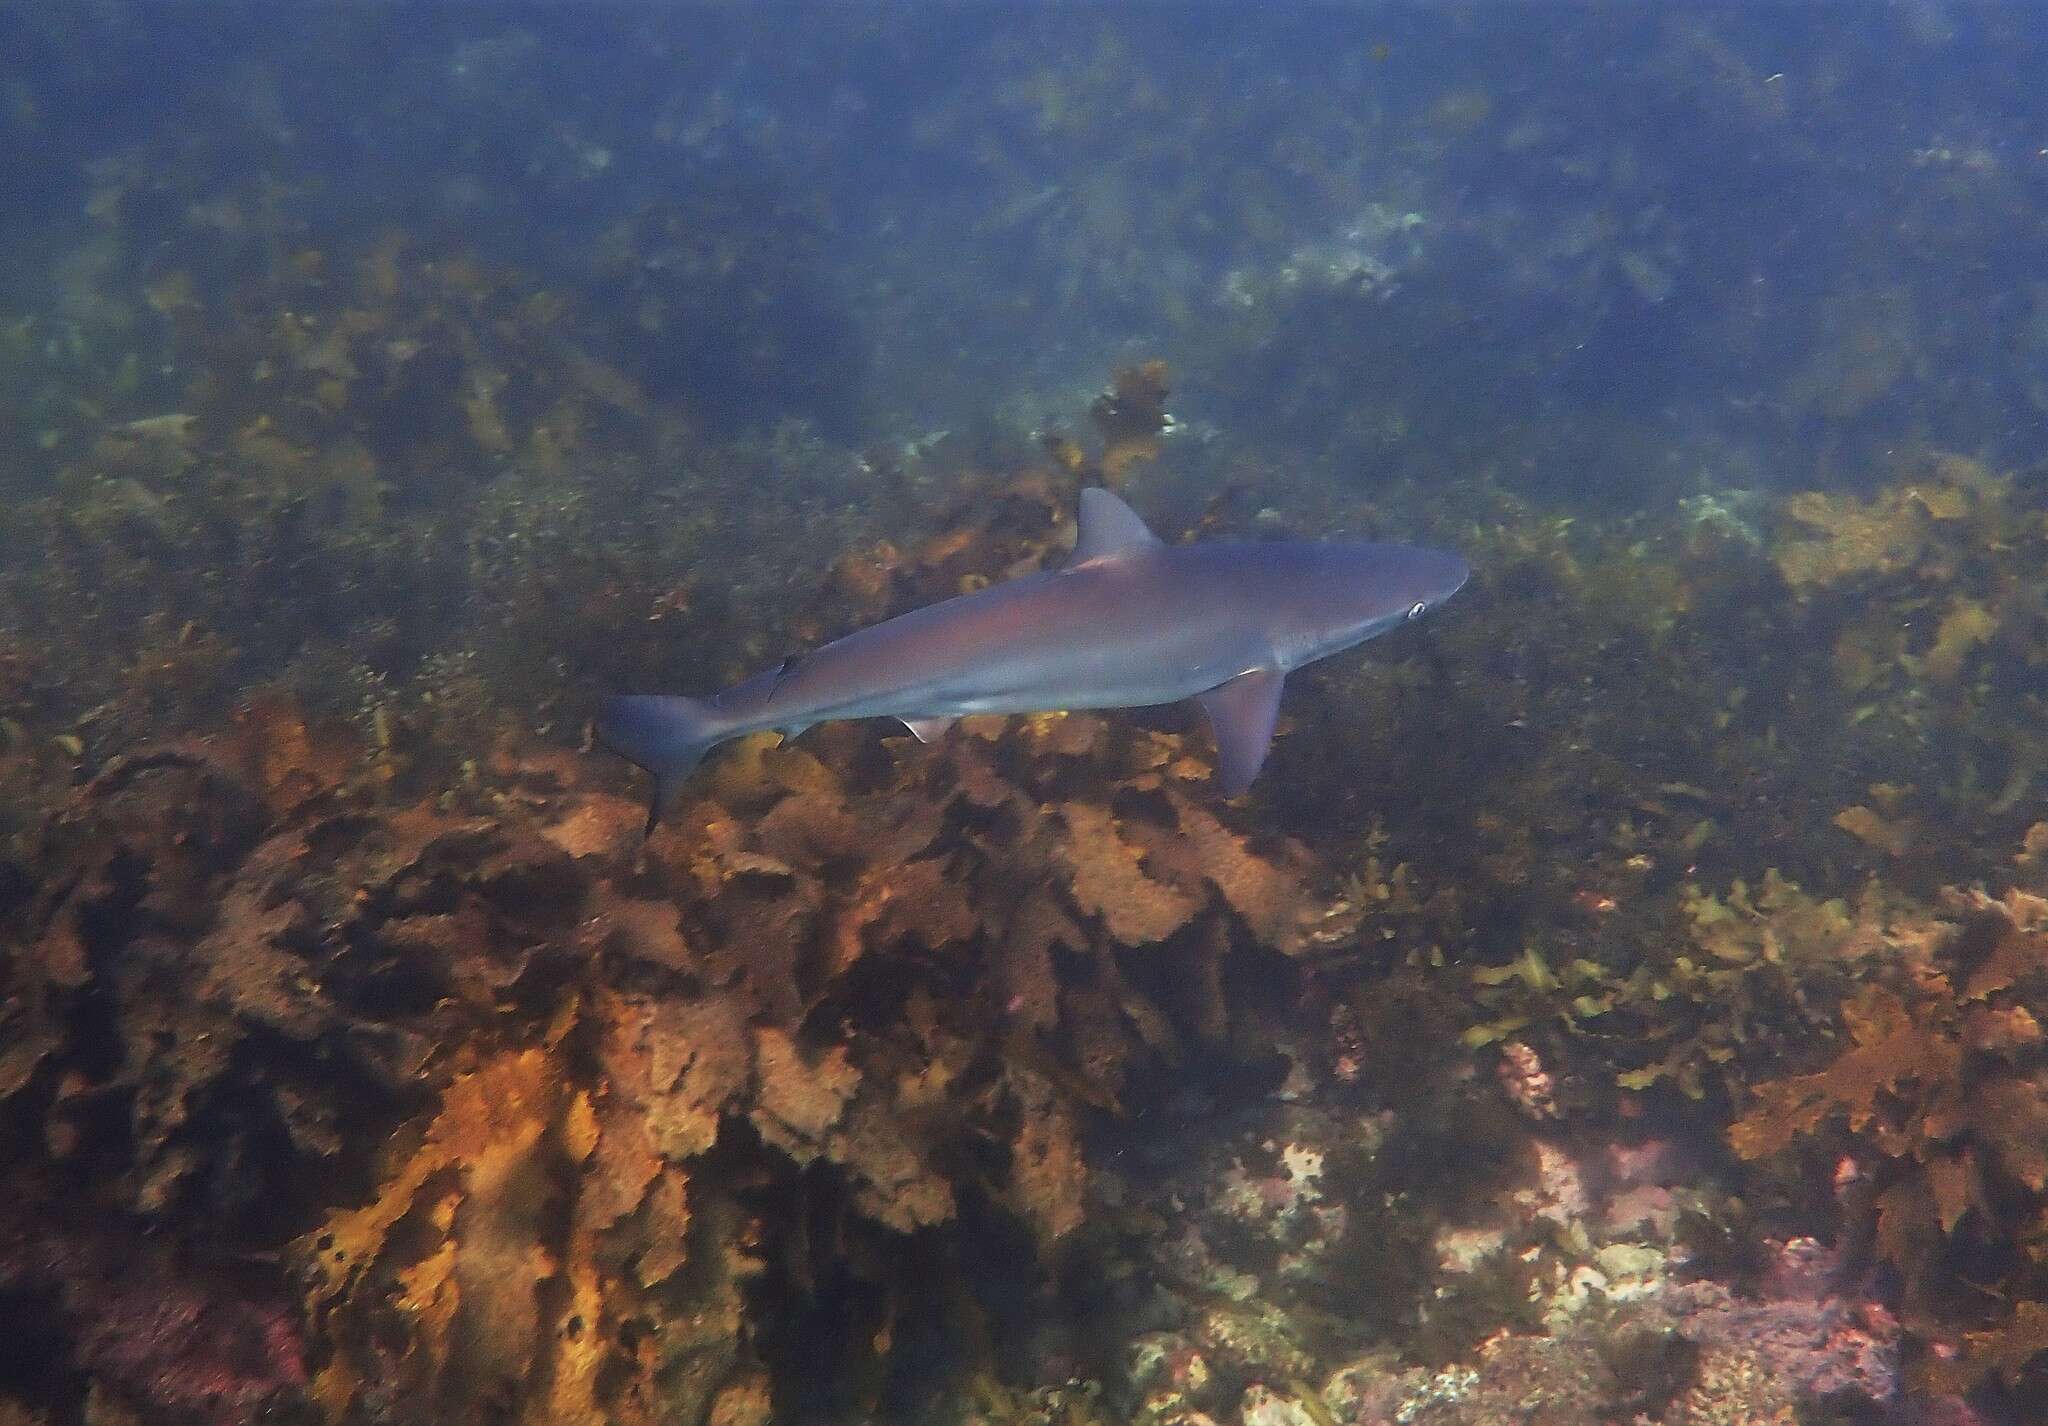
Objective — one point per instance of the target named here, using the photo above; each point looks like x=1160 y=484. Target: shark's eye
x=1415 y=610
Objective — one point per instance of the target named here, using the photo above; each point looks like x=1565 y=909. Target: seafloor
x=1619 y=1000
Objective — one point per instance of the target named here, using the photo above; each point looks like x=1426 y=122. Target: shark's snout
x=1427 y=578
x=1455 y=572
x=1444 y=572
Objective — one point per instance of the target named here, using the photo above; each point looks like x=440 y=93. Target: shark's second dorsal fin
x=1108 y=527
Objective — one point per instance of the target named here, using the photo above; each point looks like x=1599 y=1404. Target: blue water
x=432 y=370
x=1633 y=226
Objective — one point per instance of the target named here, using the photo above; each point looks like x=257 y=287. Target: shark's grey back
x=1127 y=623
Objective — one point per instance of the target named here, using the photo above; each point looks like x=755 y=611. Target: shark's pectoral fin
x=1241 y=716
x=928 y=730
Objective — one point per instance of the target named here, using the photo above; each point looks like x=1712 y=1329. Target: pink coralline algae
x=1819 y=1347
x=1765 y=1357
x=156 y=1334
x=1558 y=1191
x=218 y=1361
x=1761 y=1361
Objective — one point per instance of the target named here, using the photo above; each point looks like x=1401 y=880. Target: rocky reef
x=1019 y=1077
x=1619 y=999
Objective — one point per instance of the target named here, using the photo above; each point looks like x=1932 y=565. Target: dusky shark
x=1128 y=622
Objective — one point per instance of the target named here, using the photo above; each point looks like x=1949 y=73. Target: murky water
x=1616 y=999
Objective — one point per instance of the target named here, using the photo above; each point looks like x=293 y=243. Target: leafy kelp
x=1617 y=1002
x=1938 y=1089
x=528 y=1116
x=601 y=1070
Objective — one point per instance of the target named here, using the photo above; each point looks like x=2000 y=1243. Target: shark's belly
x=1121 y=666
x=1040 y=649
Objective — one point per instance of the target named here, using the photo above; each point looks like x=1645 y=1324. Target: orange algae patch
x=1130 y=417
x=1869 y=827
x=477 y=1183
x=1110 y=881
x=1889 y=1050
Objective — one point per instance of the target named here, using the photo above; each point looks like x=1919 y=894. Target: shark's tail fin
x=667 y=736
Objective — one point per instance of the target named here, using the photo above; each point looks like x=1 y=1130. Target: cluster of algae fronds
x=1614 y=823
x=923 y=982
x=530 y=1122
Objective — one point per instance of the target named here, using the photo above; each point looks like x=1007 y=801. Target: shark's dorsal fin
x=1241 y=716
x=1108 y=527
x=927 y=730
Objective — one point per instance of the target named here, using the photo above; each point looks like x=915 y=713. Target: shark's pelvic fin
x=1241 y=717
x=928 y=730
x=1107 y=526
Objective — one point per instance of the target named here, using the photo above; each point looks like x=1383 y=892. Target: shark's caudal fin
x=667 y=736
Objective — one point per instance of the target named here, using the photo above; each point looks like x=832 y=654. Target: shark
x=1129 y=621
